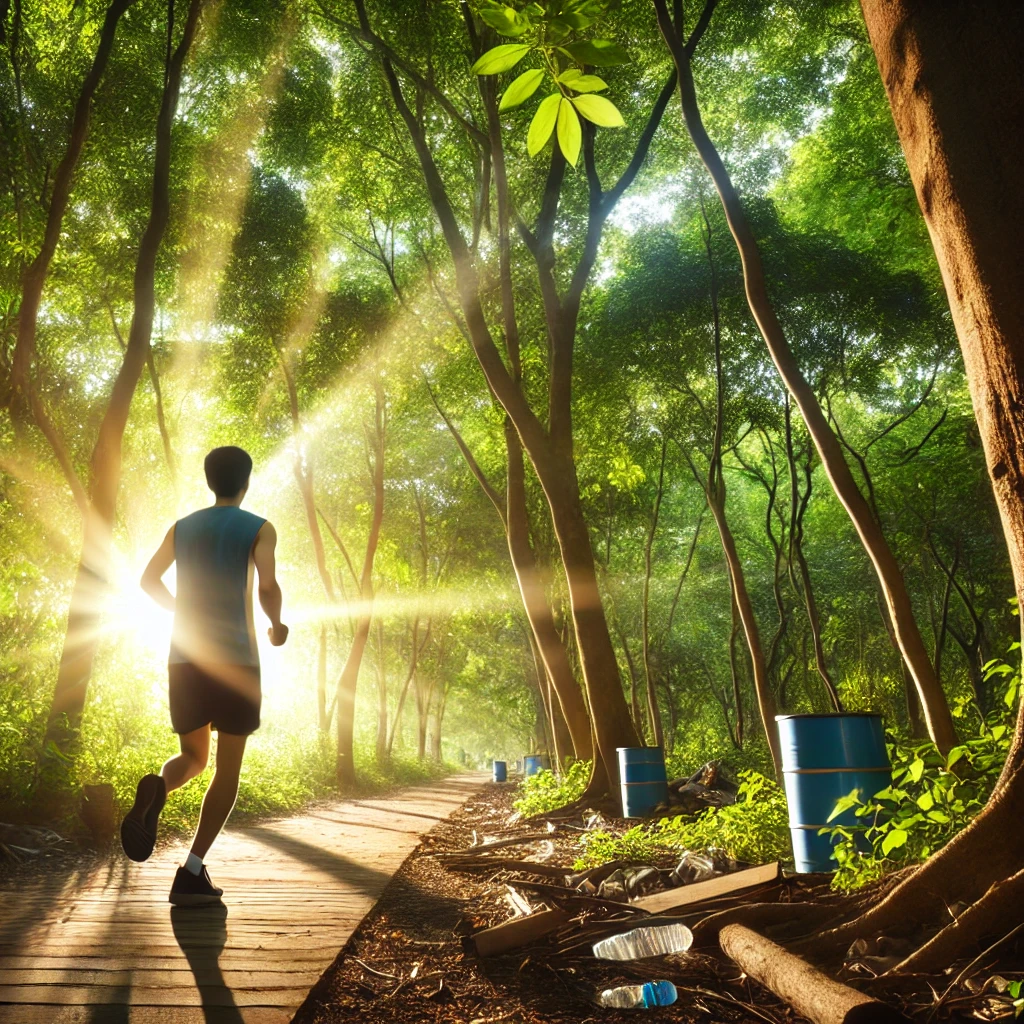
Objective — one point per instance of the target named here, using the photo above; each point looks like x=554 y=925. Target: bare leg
x=220 y=797
x=195 y=752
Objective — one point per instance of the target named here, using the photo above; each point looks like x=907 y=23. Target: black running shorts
x=230 y=705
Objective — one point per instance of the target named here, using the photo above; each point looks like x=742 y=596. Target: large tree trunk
x=536 y=604
x=956 y=88
x=82 y=639
x=933 y=700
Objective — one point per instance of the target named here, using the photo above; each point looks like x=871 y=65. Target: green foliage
x=547 y=791
x=930 y=798
x=552 y=29
x=754 y=829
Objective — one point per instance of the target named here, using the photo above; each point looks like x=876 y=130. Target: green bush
x=547 y=791
x=930 y=798
x=753 y=829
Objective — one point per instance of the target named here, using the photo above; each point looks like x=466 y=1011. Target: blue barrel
x=500 y=771
x=533 y=763
x=825 y=757
x=642 y=779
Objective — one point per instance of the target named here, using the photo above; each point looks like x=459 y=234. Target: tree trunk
x=512 y=512
x=798 y=506
x=382 y=697
x=345 y=703
x=653 y=712
x=536 y=604
x=956 y=88
x=81 y=638
x=933 y=700
x=323 y=721
x=762 y=686
x=35 y=274
x=549 y=447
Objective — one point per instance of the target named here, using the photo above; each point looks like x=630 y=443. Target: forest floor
x=410 y=960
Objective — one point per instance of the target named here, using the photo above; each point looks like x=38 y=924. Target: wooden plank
x=102 y=945
x=117 y=1014
x=184 y=995
x=157 y=977
x=518 y=932
x=695 y=892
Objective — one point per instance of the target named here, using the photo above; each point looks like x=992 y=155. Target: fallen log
x=520 y=931
x=811 y=994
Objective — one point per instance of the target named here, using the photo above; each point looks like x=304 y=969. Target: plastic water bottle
x=643 y=942
x=638 y=997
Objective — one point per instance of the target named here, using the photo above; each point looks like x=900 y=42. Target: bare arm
x=268 y=589
x=152 y=582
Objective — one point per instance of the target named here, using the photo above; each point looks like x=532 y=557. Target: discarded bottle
x=643 y=942
x=638 y=997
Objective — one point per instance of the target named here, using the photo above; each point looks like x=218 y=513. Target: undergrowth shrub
x=931 y=797
x=547 y=791
x=753 y=829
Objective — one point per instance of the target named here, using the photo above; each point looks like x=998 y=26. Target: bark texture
x=956 y=89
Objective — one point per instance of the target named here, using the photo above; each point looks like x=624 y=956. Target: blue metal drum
x=533 y=763
x=500 y=771
x=825 y=757
x=643 y=780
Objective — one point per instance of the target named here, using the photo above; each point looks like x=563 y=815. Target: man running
x=214 y=665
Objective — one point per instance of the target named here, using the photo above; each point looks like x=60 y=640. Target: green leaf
x=577 y=21
x=501 y=58
x=505 y=20
x=570 y=75
x=570 y=134
x=599 y=110
x=916 y=770
x=602 y=53
x=939 y=816
x=896 y=838
x=586 y=83
x=926 y=801
x=543 y=123
x=844 y=803
x=955 y=755
x=521 y=89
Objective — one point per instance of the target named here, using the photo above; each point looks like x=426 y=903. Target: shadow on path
x=369 y=881
x=401 y=812
x=202 y=933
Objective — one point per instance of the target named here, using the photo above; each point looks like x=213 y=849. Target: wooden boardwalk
x=104 y=946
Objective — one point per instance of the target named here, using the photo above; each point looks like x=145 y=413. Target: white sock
x=194 y=864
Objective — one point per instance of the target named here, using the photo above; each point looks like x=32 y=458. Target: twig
x=981 y=956
x=367 y=967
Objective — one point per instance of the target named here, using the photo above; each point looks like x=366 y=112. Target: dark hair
x=227 y=470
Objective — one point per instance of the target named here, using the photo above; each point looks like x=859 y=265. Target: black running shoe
x=194 y=890
x=138 y=830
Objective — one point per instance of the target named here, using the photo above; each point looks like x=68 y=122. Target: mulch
x=410 y=960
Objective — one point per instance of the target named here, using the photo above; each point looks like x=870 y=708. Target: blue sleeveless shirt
x=213 y=603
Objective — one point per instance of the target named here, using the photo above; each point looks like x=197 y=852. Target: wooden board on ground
x=105 y=945
x=697 y=892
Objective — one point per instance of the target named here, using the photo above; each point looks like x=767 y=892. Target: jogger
x=214 y=670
